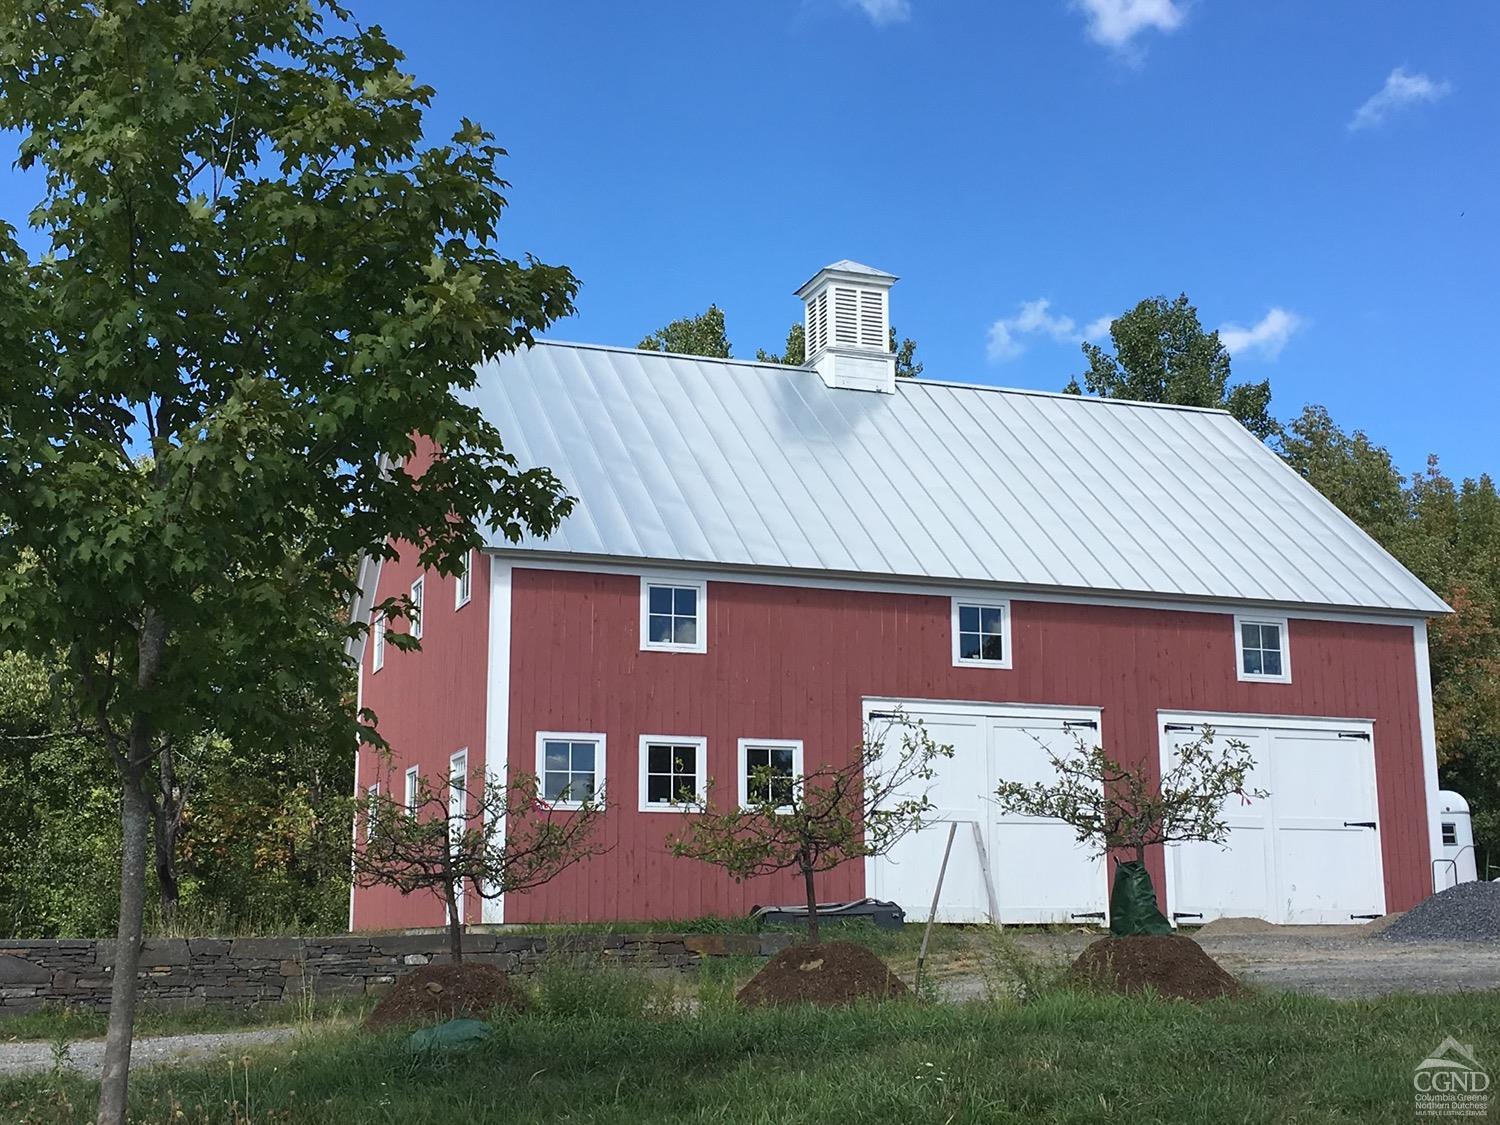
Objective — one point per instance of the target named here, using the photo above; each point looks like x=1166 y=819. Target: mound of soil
x=832 y=973
x=1464 y=912
x=435 y=993
x=1167 y=964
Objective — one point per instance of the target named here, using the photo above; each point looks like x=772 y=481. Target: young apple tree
x=255 y=280
x=816 y=821
x=494 y=839
x=1115 y=807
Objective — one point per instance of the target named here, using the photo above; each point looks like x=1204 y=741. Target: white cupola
x=848 y=326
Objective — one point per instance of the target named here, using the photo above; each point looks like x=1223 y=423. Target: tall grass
x=1063 y=1057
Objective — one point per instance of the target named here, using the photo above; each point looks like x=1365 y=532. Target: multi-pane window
x=417 y=589
x=570 y=767
x=672 y=772
x=377 y=628
x=672 y=615
x=1262 y=645
x=465 y=584
x=768 y=771
x=1450 y=834
x=372 y=795
x=413 y=776
x=981 y=633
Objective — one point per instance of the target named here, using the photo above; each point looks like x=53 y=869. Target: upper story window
x=417 y=589
x=464 y=584
x=409 y=798
x=377 y=627
x=768 y=769
x=1263 y=650
x=674 y=772
x=569 y=767
x=674 y=615
x=1450 y=834
x=981 y=633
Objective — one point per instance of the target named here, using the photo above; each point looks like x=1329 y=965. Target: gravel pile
x=1466 y=912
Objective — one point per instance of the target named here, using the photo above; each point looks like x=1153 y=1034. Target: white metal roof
x=682 y=459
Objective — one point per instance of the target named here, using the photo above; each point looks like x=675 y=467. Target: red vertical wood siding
x=429 y=705
x=784 y=662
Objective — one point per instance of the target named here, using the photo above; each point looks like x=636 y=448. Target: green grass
x=1064 y=1057
x=83 y=1023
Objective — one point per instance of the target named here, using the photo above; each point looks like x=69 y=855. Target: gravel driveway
x=1322 y=961
x=87 y=1055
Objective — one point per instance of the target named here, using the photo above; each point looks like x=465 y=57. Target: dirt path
x=87 y=1056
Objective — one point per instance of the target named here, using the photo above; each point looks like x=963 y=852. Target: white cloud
x=1401 y=89
x=1115 y=23
x=882 y=12
x=1267 y=336
x=1033 y=318
x=1098 y=329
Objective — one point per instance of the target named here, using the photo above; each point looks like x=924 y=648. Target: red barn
x=761 y=556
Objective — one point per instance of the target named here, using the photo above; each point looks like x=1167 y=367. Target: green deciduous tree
x=261 y=279
x=1447 y=534
x=490 y=840
x=692 y=335
x=1162 y=354
x=814 y=822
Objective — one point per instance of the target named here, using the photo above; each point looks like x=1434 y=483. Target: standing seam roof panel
x=678 y=458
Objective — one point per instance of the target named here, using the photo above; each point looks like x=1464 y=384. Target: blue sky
x=1085 y=154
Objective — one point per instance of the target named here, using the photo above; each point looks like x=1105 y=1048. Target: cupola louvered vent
x=847 y=326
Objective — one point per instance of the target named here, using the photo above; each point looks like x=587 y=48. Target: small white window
x=1450 y=834
x=377 y=627
x=372 y=795
x=464 y=586
x=569 y=767
x=413 y=783
x=981 y=633
x=417 y=589
x=674 y=615
x=768 y=769
x=674 y=772
x=1263 y=650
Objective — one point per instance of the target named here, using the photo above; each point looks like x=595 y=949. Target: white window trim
x=377 y=655
x=1239 y=649
x=412 y=783
x=1003 y=605
x=600 y=758
x=701 y=585
x=700 y=780
x=793 y=744
x=372 y=795
x=463 y=583
x=419 y=603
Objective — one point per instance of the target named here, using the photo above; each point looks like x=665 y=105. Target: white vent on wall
x=849 y=344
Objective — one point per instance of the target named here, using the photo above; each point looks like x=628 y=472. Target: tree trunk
x=135 y=823
x=812 y=904
x=165 y=821
x=1140 y=854
x=455 y=925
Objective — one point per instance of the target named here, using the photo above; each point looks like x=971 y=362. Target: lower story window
x=570 y=767
x=672 y=771
x=768 y=771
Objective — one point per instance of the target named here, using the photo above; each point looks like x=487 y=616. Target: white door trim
x=497 y=709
